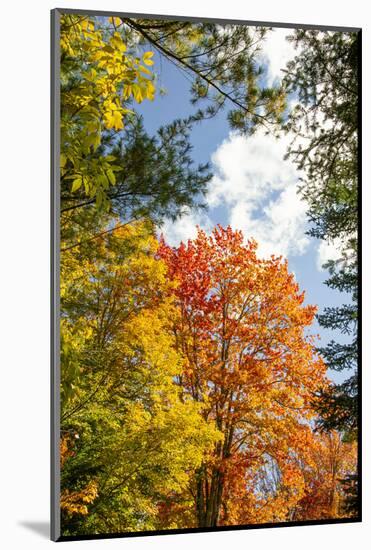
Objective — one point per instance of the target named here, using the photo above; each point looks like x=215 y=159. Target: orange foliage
x=75 y=502
x=65 y=450
x=329 y=460
x=248 y=359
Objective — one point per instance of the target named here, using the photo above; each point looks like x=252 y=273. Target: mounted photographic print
x=205 y=215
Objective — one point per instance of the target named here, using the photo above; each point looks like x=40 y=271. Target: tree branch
x=181 y=61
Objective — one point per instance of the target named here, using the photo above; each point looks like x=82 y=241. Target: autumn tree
x=132 y=438
x=98 y=78
x=248 y=360
x=328 y=460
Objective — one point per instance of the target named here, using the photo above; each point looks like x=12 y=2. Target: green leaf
x=99 y=198
x=76 y=184
x=111 y=177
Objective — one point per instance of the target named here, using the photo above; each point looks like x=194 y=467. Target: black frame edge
x=196 y=530
x=359 y=259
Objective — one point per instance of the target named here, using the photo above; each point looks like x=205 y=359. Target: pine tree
x=324 y=76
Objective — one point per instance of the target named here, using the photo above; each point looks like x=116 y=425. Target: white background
x=24 y=220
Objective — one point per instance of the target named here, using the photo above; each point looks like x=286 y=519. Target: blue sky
x=253 y=188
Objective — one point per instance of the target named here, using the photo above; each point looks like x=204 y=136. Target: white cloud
x=276 y=52
x=249 y=167
x=259 y=190
x=185 y=228
x=280 y=228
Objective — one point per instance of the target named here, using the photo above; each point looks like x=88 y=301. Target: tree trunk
x=209 y=498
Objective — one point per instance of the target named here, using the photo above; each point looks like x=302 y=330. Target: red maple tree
x=249 y=361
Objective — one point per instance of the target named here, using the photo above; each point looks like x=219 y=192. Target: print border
x=55 y=524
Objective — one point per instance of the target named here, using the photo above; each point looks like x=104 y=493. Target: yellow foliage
x=99 y=76
x=76 y=502
x=117 y=315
